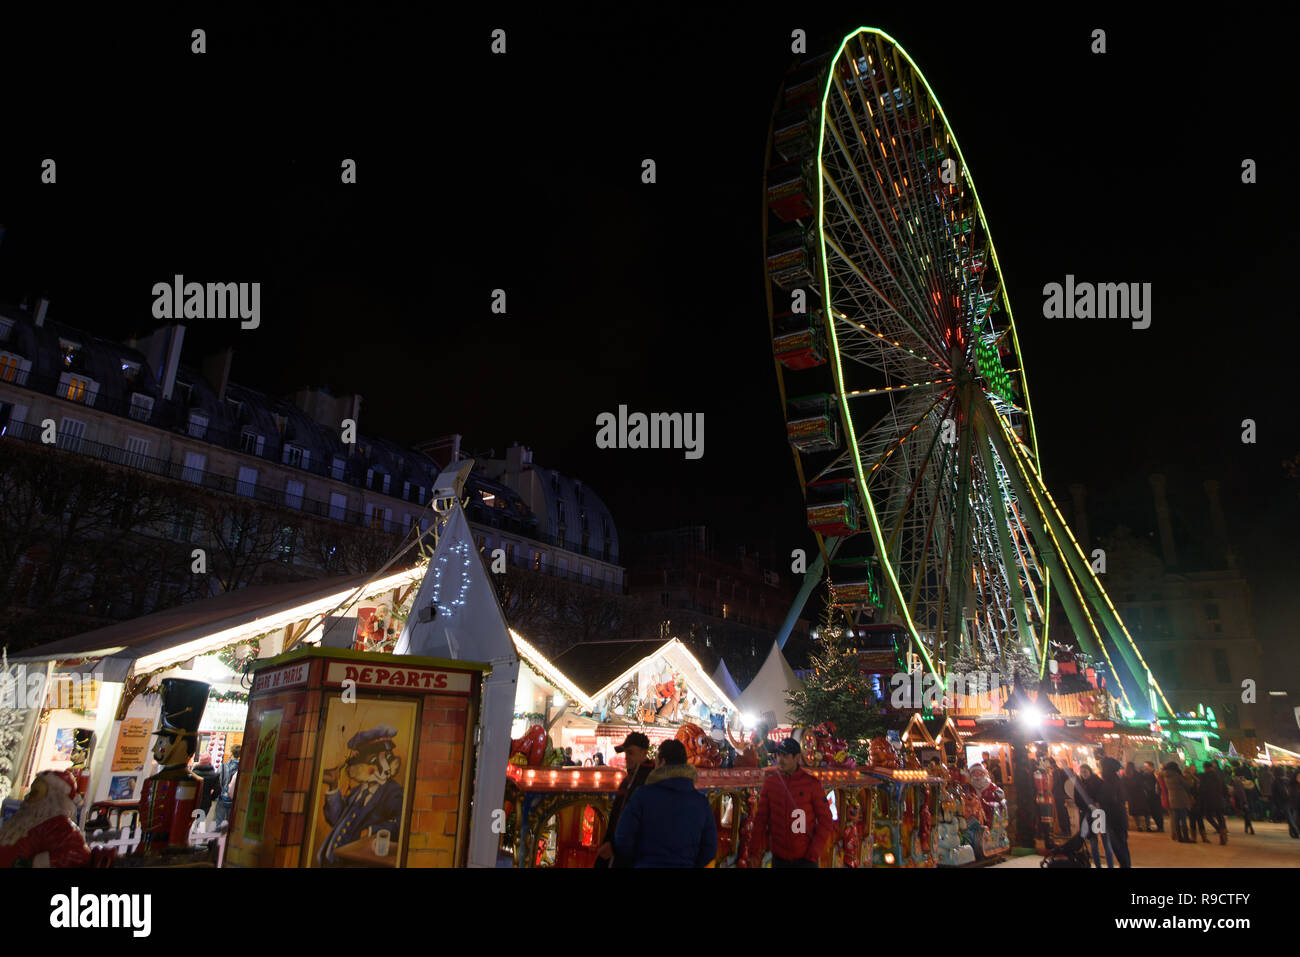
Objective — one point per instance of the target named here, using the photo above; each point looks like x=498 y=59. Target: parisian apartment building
x=120 y=461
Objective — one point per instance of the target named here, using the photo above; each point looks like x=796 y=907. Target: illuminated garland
x=213 y=695
x=461 y=549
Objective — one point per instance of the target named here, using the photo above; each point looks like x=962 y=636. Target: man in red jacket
x=793 y=817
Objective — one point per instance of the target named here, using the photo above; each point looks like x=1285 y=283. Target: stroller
x=1073 y=853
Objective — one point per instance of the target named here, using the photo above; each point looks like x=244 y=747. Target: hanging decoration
x=444 y=570
x=236 y=657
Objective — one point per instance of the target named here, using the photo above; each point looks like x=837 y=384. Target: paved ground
x=1269 y=846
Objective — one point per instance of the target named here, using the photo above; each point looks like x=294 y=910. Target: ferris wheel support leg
x=1096 y=596
x=1079 y=621
x=810 y=580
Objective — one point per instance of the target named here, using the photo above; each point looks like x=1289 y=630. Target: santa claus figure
x=41 y=832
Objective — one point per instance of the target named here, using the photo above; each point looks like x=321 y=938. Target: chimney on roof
x=216 y=370
x=1165 y=524
x=42 y=308
x=327 y=409
x=443 y=450
x=1219 y=523
x=163 y=350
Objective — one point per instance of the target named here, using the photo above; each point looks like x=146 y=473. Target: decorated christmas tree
x=836 y=691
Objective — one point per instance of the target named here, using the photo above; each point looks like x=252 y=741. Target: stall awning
x=178 y=634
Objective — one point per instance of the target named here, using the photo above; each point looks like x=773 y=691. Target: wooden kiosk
x=356 y=759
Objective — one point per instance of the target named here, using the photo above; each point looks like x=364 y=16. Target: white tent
x=456 y=615
x=722 y=678
x=766 y=693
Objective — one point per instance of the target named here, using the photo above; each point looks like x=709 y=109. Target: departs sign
x=420 y=680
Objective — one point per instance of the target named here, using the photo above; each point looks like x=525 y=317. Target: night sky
x=523 y=172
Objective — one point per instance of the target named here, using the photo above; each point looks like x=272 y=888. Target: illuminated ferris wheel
x=901 y=375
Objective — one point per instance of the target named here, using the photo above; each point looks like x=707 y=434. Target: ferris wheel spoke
x=911 y=188
x=893 y=266
x=915 y=265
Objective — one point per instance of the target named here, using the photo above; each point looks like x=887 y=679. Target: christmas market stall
x=100 y=702
x=357 y=759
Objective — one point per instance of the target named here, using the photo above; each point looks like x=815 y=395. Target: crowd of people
x=1142 y=798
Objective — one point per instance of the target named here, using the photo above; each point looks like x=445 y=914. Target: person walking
x=1280 y=798
x=1059 y=778
x=1214 y=800
x=1195 y=813
x=209 y=782
x=1157 y=803
x=667 y=823
x=1112 y=803
x=1180 y=802
x=225 y=793
x=1294 y=807
x=1135 y=792
x=635 y=748
x=1241 y=786
x=792 y=818
x=1088 y=789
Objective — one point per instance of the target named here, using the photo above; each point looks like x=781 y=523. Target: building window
x=141 y=407
x=387 y=481
x=537 y=561
x=420 y=489
x=6 y=326
x=586 y=574
x=247 y=484
x=1222 y=674
x=14 y=369
x=70 y=350
x=195 y=463
x=1212 y=610
x=137 y=450
x=380 y=517
x=71 y=432
x=406 y=491
x=510 y=552
x=338 y=505
x=725 y=609
x=78 y=388
x=236 y=408
x=561 y=563
x=293 y=494
x=251 y=443
x=295 y=456
x=198 y=425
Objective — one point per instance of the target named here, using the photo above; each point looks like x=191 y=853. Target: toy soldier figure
x=169 y=798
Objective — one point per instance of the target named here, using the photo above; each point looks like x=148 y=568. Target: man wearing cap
x=793 y=817
x=667 y=823
x=634 y=748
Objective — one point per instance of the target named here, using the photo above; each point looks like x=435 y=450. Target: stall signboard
x=132 y=744
x=364 y=675
x=224 y=716
x=268 y=737
x=287 y=677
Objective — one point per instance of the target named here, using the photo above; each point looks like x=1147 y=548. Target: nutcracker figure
x=168 y=799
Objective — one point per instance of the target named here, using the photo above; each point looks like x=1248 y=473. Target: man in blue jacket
x=667 y=823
